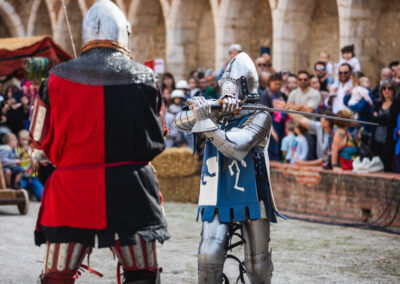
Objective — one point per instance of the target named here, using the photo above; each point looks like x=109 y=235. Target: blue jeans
x=33 y=184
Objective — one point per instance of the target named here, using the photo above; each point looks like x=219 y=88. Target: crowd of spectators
x=15 y=106
x=338 y=89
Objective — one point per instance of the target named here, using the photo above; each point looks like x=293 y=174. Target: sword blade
x=309 y=114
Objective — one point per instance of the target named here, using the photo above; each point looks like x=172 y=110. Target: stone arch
x=10 y=19
x=189 y=22
x=41 y=20
x=75 y=16
x=291 y=33
x=248 y=23
x=324 y=32
x=148 y=30
x=389 y=33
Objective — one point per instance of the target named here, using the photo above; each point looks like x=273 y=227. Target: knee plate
x=139 y=261
x=259 y=268
x=212 y=251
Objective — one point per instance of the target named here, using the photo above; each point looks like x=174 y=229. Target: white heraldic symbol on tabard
x=231 y=171
x=209 y=182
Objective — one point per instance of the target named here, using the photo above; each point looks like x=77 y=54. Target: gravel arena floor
x=302 y=252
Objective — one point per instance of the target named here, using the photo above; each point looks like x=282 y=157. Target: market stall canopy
x=13 y=52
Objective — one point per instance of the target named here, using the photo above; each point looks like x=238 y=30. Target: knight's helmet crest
x=240 y=78
x=105 y=21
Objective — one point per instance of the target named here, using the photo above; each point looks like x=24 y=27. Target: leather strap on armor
x=103 y=43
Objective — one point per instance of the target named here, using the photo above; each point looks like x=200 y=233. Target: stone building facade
x=193 y=33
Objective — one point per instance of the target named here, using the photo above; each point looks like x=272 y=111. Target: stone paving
x=302 y=252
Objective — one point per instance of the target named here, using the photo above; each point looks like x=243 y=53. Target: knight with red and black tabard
x=98 y=121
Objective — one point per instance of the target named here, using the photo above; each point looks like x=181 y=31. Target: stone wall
x=336 y=197
x=193 y=33
x=307 y=192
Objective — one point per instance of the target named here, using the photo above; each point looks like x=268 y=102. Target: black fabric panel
x=133 y=201
x=44 y=91
x=65 y=235
x=132 y=128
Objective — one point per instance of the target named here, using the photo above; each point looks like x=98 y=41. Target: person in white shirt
x=339 y=89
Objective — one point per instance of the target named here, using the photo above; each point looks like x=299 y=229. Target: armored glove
x=229 y=104
x=201 y=111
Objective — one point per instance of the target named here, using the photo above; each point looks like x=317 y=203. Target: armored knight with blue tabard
x=235 y=190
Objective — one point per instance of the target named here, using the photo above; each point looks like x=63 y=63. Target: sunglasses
x=265 y=64
x=387 y=88
x=303 y=79
x=344 y=73
x=320 y=68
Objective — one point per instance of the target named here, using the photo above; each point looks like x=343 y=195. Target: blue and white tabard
x=227 y=186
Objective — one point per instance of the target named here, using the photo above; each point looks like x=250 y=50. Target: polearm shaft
x=309 y=114
x=69 y=28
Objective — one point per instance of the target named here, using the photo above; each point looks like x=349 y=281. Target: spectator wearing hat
x=178 y=97
x=184 y=87
x=174 y=138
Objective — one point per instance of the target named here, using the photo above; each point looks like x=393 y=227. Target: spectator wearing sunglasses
x=324 y=79
x=339 y=89
x=304 y=98
x=382 y=139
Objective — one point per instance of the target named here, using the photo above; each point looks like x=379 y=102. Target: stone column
x=291 y=24
x=241 y=21
x=183 y=25
x=11 y=19
x=359 y=25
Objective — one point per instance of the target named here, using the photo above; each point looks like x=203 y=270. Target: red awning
x=13 y=52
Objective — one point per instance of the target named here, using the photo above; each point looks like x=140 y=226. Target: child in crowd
x=177 y=97
x=325 y=57
x=396 y=136
x=184 y=87
x=300 y=145
x=349 y=57
x=29 y=178
x=10 y=161
x=360 y=91
x=287 y=141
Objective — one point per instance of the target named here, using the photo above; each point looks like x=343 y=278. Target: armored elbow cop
x=238 y=141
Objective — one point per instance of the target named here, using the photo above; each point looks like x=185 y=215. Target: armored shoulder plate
x=105 y=67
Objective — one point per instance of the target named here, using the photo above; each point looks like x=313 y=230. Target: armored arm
x=184 y=120
x=237 y=142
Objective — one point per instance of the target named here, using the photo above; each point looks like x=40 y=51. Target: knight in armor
x=235 y=186
x=98 y=121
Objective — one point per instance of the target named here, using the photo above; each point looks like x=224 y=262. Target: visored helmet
x=105 y=21
x=240 y=78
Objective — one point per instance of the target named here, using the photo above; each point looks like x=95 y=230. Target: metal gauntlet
x=237 y=142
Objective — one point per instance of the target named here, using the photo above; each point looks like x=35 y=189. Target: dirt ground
x=302 y=252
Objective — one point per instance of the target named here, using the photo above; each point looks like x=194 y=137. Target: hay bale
x=176 y=162
x=182 y=189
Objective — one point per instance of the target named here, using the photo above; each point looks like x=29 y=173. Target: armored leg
x=212 y=253
x=62 y=262
x=257 y=256
x=139 y=261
